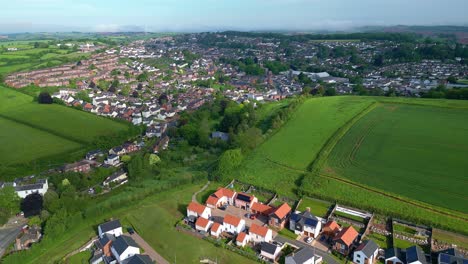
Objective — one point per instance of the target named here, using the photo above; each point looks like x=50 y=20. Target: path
x=148 y=249
x=194 y=196
x=325 y=255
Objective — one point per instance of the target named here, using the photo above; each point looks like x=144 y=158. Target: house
x=269 y=251
x=216 y=229
x=112 y=160
x=40 y=187
x=220 y=135
x=123 y=248
x=305 y=255
x=451 y=256
x=395 y=256
x=279 y=216
x=130 y=147
x=344 y=240
x=104 y=244
x=221 y=197
x=203 y=224
x=118 y=177
x=197 y=210
x=117 y=151
x=27 y=237
x=112 y=227
x=242 y=239
x=245 y=201
x=81 y=166
x=366 y=253
x=415 y=255
x=261 y=209
x=138 y=259
x=260 y=234
x=232 y=224
x=305 y=224
x=94 y=154
x=331 y=228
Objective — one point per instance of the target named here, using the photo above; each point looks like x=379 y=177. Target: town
x=220 y=84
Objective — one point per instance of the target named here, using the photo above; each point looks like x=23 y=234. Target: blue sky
x=212 y=15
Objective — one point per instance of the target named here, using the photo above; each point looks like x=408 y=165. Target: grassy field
x=450 y=238
x=317 y=207
x=80 y=258
x=279 y=162
x=29 y=58
x=35 y=132
x=410 y=150
x=155 y=220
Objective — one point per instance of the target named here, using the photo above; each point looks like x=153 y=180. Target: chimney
x=308 y=209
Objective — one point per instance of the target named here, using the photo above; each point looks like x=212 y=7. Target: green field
x=278 y=163
x=155 y=220
x=32 y=132
x=419 y=152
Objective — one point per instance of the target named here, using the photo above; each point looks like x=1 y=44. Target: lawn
x=317 y=207
x=80 y=258
x=24 y=143
x=381 y=240
x=155 y=220
x=36 y=135
x=418 y=152
x=279 y=162
x=450 y=238
x=350 y=216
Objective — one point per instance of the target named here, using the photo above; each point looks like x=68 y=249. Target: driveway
x=218 y=214
x=148 y=249
x=10 y=231
x=325 y=255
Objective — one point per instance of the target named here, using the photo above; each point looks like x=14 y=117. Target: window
x=357 y=255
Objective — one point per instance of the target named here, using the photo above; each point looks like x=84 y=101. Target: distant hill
x=459 y=33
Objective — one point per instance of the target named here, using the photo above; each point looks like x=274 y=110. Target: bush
x=44 y=98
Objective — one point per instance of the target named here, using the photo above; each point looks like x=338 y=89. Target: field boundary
x=317 y=164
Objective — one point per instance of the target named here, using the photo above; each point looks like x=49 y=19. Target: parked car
x=309 y=240
x=131 y=231
x=253 y=216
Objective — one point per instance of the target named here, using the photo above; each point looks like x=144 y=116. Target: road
x=9 y=232
x=148 y=249
x=325 y=255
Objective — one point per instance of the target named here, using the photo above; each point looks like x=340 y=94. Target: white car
x=309 y=240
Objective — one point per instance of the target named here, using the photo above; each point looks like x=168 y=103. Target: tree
x=135 y=94
x=153 y=159
x=452 y=79
x=44 y=98
x=126 y=158
x=9 y=200
x=34 y=221
x=83 y=95
x=330 y=91
x=126 y=90
x=228 y=162
x=378 y=60
x=32 y=204
x=142 y=77
x=2 y=78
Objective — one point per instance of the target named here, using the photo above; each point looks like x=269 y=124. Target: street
x=10 y=231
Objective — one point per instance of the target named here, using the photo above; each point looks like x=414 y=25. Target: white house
x=305 y=255
x=232 y=224
x=216 y=229
x=203 y=224
x=116 y=177
x=260 y=234
x=270 y=251
x=242 y=239
x=305 y=224
x=112 y=160
x=112 y=228
x=198 y=210
x=123 y=248
x=221 y=197
x=40 y=187
x=415 y=255
x=366 y=253
x=394 y=256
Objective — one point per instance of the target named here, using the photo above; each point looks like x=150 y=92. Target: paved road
x=149 y=250
x=326 y=256
x=9 y=232
x=194 y=196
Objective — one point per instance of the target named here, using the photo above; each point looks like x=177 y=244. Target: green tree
x=9 y=200
x=228 y=162
x=34 y=221
x=153 y=159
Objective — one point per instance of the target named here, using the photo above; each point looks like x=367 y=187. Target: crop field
x=278 y=163
x=31 y=131
x=29 y=58
x=419 y=152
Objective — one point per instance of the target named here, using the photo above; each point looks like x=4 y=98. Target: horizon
x=35 y=16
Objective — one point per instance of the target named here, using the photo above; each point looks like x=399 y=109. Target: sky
x=216 y=15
